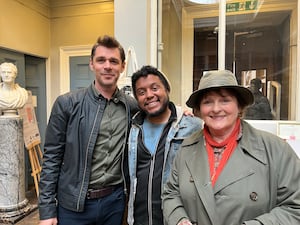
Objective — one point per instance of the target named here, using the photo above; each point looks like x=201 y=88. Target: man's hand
x=188 y=112
x=51 y=221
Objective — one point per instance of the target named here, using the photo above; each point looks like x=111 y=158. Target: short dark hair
x=144 y=72
x=241 y=102
x=108 y=42
x=256 y=82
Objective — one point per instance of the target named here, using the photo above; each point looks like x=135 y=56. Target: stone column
x=13 y=203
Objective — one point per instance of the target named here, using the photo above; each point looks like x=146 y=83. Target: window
x=260 y=42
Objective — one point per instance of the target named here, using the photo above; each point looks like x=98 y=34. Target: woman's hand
x=52 y=221
x=184 y=221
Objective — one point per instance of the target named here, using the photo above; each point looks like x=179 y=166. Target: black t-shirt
x=149 y=176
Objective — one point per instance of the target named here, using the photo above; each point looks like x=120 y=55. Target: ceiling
x=61 y=3
x=236 y=22
x=245 y=21
x=241 y=21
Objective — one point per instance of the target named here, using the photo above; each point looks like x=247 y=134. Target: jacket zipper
x=124 y=144
x=86 y=158
x=150 y=189
x=150 y=183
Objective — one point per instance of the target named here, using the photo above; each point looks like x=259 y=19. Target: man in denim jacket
x=156 y=135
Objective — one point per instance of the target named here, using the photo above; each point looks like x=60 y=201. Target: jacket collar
x=248 y=144
x=139 y=117
x=117 y=96
x=201 y=178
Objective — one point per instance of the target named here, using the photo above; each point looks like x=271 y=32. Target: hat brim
x=242 y=93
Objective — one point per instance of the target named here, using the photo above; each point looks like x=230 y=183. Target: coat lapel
x=237 y=167
x=197 y=164
x=234 y=170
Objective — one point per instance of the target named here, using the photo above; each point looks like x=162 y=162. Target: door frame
x=65 y=53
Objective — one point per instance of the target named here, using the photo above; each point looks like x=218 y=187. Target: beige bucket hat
x=217 y=79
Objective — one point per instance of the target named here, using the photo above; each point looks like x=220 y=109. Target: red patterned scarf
x=229 y=144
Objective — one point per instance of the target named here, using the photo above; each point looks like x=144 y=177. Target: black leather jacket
x=70 y=138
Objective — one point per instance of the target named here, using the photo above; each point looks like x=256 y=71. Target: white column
x=222 y=35
x=13 y=203
x=134 y=27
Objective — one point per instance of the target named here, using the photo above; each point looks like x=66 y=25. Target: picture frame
x=248 y=75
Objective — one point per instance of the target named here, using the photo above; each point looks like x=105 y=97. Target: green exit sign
x=241 y=6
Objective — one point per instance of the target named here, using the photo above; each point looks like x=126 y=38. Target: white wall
x=133 y=28
x=272 y=127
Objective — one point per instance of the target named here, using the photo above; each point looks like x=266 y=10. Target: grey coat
x=260 y=183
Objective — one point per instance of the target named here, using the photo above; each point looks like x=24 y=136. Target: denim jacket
x=181 y=128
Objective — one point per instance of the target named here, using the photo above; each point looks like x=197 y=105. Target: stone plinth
x=13 y=203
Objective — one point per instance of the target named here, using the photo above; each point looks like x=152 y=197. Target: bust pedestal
x=13 y=203
x=12 y=113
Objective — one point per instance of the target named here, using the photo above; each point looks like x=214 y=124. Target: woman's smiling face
x=219 y=110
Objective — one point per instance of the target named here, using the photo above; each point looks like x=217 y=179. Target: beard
x=162 y=109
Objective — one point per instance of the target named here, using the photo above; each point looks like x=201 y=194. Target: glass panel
x=261 y=42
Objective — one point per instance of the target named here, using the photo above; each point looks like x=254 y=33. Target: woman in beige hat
x=230 y=173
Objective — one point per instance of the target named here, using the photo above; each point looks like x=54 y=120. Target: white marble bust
x=12 y=96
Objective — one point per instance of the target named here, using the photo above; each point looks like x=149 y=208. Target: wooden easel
x=35 y=157
x=32 y=139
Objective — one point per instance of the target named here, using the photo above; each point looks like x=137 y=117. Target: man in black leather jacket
x=83 y=180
